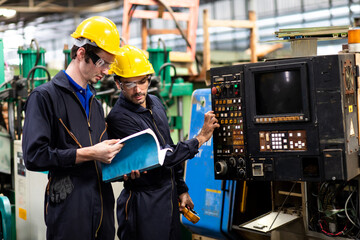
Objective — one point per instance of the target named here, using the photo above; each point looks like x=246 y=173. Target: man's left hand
x=133 y=175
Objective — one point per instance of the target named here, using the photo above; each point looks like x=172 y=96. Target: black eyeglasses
x=98 y=61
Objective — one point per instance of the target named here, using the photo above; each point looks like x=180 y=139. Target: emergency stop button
x=215 y=90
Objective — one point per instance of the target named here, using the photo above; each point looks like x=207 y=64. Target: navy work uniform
x=78 y=205
x=148 y=206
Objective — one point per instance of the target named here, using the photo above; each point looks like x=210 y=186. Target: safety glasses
x=141 y=83
x=98 y=61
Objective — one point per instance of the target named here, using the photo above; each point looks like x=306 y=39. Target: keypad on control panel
x=271 y=141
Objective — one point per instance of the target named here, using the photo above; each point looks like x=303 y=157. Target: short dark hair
x=88 y=48
x=117 y=78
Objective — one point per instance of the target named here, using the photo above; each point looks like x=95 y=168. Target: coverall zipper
x=48 y=193
x=102 y=134
x=126 y=205
x=97 y=170
x=70 y=133
x=171 y=172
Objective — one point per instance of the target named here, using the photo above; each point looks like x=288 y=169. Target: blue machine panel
x=211 y=202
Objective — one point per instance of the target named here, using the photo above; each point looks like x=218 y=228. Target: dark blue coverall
x=148 y=208
x=55 y=126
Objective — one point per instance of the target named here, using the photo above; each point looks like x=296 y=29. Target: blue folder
x=141 y=151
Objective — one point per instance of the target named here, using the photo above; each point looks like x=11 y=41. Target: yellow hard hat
x=100 y=30
x=131 y=62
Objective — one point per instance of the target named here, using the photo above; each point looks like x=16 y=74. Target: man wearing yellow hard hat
x=148 y=208
x=63 y=134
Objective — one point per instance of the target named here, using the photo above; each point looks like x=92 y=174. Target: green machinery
x=32 y=64
x=32 y=73
x=67 y=54
x=13 y=93
x=172 y=90
x=7 y=218
x=2 y=64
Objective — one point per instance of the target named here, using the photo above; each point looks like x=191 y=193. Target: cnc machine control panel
x=229 y=143
x=286 y=119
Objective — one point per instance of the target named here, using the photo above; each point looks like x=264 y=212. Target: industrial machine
x=284 y=163
x=29 y=195
x=221 y=205
x=291 y=119
x=204 y=190
x=26 y=204
x=31 y=59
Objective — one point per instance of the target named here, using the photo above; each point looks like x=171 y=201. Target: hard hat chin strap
x=79 y=42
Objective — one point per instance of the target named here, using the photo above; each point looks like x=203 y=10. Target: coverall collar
x=61 y=80
x=135 y=107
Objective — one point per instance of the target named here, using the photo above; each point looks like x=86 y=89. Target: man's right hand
x=104 y=152
x=210 y=123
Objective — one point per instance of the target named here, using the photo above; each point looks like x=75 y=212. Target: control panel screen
x=278 y=92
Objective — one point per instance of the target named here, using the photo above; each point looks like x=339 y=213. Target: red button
x=213 y=91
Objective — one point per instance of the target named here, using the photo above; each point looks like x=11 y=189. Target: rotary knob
x=232 y=161
x=242 y=163
x=221 y=168
x=241 y=173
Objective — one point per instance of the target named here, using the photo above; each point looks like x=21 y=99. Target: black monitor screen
x=278 y=92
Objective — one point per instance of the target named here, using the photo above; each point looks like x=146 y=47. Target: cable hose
x=172 y=78
x=164 y=47
x=33 y=70
x=37 y=55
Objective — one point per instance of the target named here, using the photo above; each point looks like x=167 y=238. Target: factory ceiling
x=29 y=10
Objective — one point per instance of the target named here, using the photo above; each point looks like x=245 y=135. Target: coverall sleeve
x=181 y=152
x=181 y=186
x=121 y=127
x=38 y=134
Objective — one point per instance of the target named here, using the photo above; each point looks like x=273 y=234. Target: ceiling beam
x=70 y=3
x=50 y=8
x=46 y=3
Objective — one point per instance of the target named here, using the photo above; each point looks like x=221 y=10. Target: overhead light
x=8 y=13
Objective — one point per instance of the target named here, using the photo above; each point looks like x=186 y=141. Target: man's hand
x=133 y=175
x=210 y=123
x=185 y=201
x=104 y=152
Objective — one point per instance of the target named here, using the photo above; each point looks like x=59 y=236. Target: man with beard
x=148 y=208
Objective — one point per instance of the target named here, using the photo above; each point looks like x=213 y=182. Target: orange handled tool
x=190 y=215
